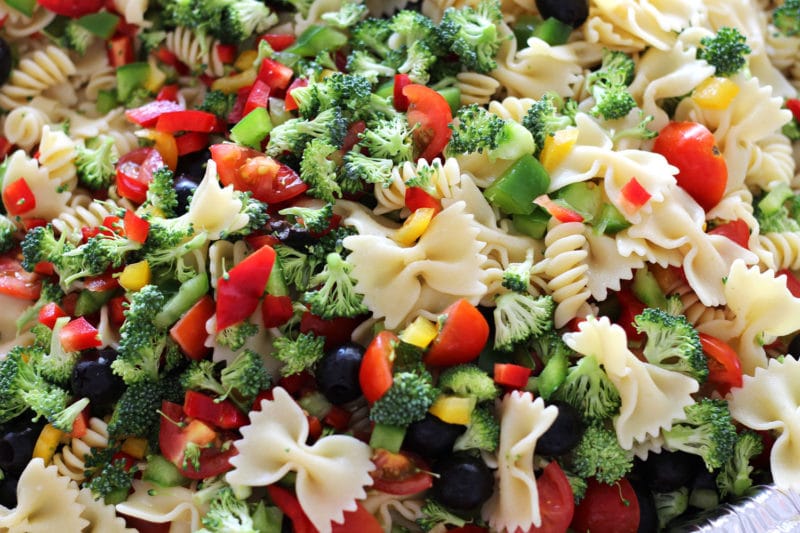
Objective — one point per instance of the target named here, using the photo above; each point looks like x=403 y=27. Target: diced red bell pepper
x=112 y=225
x=258 y=97
x=191 y=141
x=226 y=53
x=559 y=212
x=169 y=58
x=136 y=228
x=417 y=198
x=294 y=384
x=237 y=111
x=274 y=74
x=634 y=193
x=189 y=332
x=120 y=50
x=792 y=283
x=187 y=120
x=44 y=268
x=116 y=310
x=736 y=230
x=276 y=310
x=87 y=233
x=255 y=241
x=147 y=114
x=79 y=335
x=30 y=223
x=793 y=105
x=511 y=375
x=278 y=41
x=239 y=292
x=290 y=505
x=18 y=197
x=220 y=414
x=288 y=103
x=50 y=313
x=168 y=93
x=400 y=100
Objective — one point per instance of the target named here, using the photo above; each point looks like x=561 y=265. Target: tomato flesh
x=736 y=230
x=556 y=502
x=724 y=367
x=431 y=114
x=399 y=473
x=462 y=336
x=135 y=172
x=607 y=509
x=16 y=282
x=250 y=170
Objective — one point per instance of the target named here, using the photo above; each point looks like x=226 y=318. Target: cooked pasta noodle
x=36 y=72
x=70 y=461
x=84 y=212
x=566 y=270
x=196 y=52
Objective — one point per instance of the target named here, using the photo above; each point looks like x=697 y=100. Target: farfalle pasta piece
x=769 y=400
x=443 y=266
x=161 y=505
x=51 y=199
x=331 y=473
x=515 y=502
x=46 y=502
x=607 y=267
x=651 y=396
x=102 y=517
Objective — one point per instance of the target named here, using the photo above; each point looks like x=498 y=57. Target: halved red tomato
x=16 y=282
x=607 y=509
x=72 y=8
x=462 y=335
x=430 y=113
x=399 y=473
x=556 y=502
x=135 y=172
x=736 y=230
x=724 y=367
x=250 y=170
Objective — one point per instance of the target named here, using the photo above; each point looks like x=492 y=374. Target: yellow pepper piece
x=453 y=409
x=135 y=447
x=231 y=84
x=557 y=146
x=166 y=145
x=155 y=78
x=414 y=226
x=135 y=276
x=245 y=60
x=420 y=332
x=715 y=93
x=47 y=443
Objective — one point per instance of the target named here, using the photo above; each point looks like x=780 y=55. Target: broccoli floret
x=483 y=431
x=244 y=377
x=639 y=131
x=477 y=130
x=295 y=134
x=319 y=172
x=202 y=375
x=792 y=129
x=40 y=244
x=141 y=342
x=419 y=58
x=228 y=514
x=371 y=35
x=545 y=117
x=360 y=167
x=56 y=364
x=112 y=482
x=772 y=212
x=297 y=267
x=244 y=18
x=549 y=345
x=331 y=242
x=299 y=354
x=670 y=505
x=434 y=514
x=707 y=431
x=348 y=92
x=389 y=138
x=161 y=195
x=136 y=412
x=65 y=420
x=734 y=477
x=609 y=85
x=96 y=165
x=786 y=18
x=726 y=51
x=468 y=381
x=364 y=64
x=337 y=296
x=108 y=248
x=51 y=292
x=165 y=250
x=235 y=337
x=411 y=26
x=474 y=35
x=151 y=38
x=23 y=388
x=577 y=484
x=672 y=343
x=310 y=218
x=7 y=231
x=350 y=14
x=588 y=389
x=517 y=276
x=256 y=212
x=599 y=455
x=76 y=37
x=406 y=401
x=218 y=102
x=518 y=317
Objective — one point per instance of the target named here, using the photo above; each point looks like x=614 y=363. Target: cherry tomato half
x=607 y=508
x=16 y=282
x=724 y=367
x=250 y=170
x=399 y=473
x=430 y=112
x=135 y=172
x=463 y=334
x=556 y=502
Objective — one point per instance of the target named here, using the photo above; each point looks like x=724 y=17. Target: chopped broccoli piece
x=726 y=51
x=792 y=129
x=165 y=250
x=672 y=343
x=244 y=18
x=372 y=35
x=609 y=85
x=7 y=231
x=550 y=344
x=434 y=514
x=161 y=194
x=136 y=412
x=228 y=514
x=517 y=276
x=23 y=388
x=64 y=420
x=301 y=6
x=299 y=354
x=295 y=134
x=218 y=102
x=577 y=484
x=76 y=37
x=96 y=165
x=56 y=364
x=468 y=381
x=599 y=455
x=640 y=131
x=40 y=244
x=347 y=92
x=775 y=211
x=350 y=14
x=707 y=431
x=411 y=26
x=151 y=38
x=419 y=58
x=235 y=337
x=588 y=389
x=473 y=34
x=112 y=482
x=364 y=64
x=670 y=505
x=319 y=172
x=786 y=18
x=545 y=117
x=483 y=431
x=244 y=377
x=358 y=166
x=735 y=476
x=202 y=375
x=518 y=317
x=298 y=268
x=310 y=218
x=406 y=401
x=389 y=138
x=337 y=296
x=477 y=130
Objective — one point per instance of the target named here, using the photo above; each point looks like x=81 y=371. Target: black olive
x=16 y=448
x=794 y=346
x=8 y=491
x=93 y=378
x=337 y=373
x=570 y=12
x=289 y=234
x=193 y=165
x=668 y=471
x=184 y=188
x=564 y=434
x=431 y=437
x=5 y=61
x=464 y=482
x=648 y=519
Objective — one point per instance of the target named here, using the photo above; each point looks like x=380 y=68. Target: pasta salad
x=435 y=265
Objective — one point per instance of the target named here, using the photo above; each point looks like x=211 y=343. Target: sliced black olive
x=193 y=165
x=16 y=448
x=8 y=491
x=464 y=482
x=794 y=346
x=93 y=378
x=431 y=437
x=668 y=471
x=5 y=61
x=564 y=434
x=184 y=188
x=290 y=234
x=570 y=12
x=337 y=373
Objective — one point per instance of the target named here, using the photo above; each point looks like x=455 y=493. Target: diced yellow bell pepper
x=557 y=146
x=715 y=93
x=453 y=409
x=155 y=77
x=414 y=226
x=135 y=447
x=420 y=332
x=47 y=443
x=245 y=60
x=135 y=276
x=231 y=84
x=166 y=145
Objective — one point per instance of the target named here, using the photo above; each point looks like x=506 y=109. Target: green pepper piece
x=130 y=77
x=453 y=97
x=103 y=24
x=533 y=225
x=23 y=6
x=188 y=294
x=315 y=40
x=553 y=31
x=89 y=302
x=253 y=128
x=524 y=27
x=516 y=189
